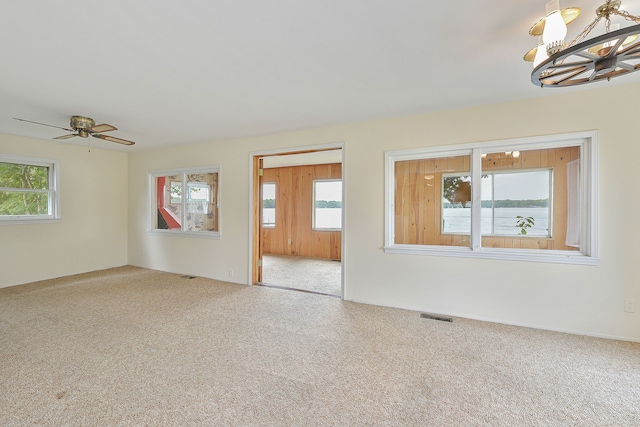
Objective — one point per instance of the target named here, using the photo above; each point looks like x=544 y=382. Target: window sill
x=214 y=235
x=28 y=221
x=528 y=255
x=504 y=236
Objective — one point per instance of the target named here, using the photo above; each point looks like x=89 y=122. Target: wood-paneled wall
x=294 y=213
x=418 y=198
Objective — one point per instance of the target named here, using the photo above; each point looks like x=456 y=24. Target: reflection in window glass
x=456 y=204
x=176 y=192
x=433 y=201
x=169 y=202
x=197 y=212
x=269 y=204
x=327 y=198
x=201 y=205
x=516 y=203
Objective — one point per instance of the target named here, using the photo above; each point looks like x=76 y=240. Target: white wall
x=580 y=299
x=92 y=233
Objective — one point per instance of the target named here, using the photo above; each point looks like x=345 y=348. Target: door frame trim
x=253 y=239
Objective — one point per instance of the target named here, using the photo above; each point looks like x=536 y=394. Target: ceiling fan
x=85 y=126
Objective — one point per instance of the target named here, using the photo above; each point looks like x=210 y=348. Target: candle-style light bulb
x=541 y=53
x=555 y=29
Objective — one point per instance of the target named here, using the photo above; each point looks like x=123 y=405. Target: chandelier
x=559 y=64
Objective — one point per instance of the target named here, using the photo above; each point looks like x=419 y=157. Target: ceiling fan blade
x=102 y=128
x=44 y=124
x=112 y=139
x=66 y=136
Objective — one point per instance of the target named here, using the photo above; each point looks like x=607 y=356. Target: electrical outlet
x=231 y=272
x=288 y=241
x=630 y=305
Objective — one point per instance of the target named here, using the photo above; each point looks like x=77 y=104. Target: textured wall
x=580 y=299
x=92 y=233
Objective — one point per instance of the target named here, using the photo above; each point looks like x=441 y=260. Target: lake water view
x=458 y=220
x=325 y=217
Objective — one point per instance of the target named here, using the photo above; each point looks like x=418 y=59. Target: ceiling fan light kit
x=85 y=127
x=581 y=61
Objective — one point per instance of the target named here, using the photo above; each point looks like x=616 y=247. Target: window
x=532 y=199
x=28 y=189
x=327 y=205
x=197 y=213
x=269 y=204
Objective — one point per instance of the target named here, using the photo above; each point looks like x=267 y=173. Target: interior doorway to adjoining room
x=297 y=220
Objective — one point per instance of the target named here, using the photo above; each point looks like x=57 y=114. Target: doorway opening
x=297 y=219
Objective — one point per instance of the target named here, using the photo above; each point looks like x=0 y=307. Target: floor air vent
x=436 y=317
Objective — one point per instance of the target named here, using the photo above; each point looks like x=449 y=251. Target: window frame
x=152 y=178
x=53 y=190
x=589 y=152
x=313 y=204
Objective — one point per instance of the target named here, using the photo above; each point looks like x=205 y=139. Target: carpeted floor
x=135 y=347
x=308 y=274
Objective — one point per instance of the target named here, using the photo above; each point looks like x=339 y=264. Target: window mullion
x=476 y=202
x=493 y=203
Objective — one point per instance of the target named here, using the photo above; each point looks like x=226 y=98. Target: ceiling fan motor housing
x=79 y=122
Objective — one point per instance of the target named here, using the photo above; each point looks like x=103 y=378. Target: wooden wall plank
x=530 y=159
x=402 y=194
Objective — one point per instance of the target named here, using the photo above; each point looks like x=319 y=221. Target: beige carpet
x=308 y=274
x=134 y=347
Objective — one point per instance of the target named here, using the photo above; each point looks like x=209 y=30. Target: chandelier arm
x=571 y=72
x=628 y=56
x=586 y=55
x=631 y=49
x=579 y=71
x=569 y=64
x=559 y=82
x=625 y=66
x=613 y=51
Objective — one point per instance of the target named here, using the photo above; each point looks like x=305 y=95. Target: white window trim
x=313 y=204
x=54 y=180
x=151 y=202
x=588 y=254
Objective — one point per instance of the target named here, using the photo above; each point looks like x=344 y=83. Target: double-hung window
x=531 y=199
x=185 y=202
x=28 y=189
x=327 y=204
x=269 y=204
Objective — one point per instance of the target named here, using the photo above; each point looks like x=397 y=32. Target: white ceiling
x=178 y=72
